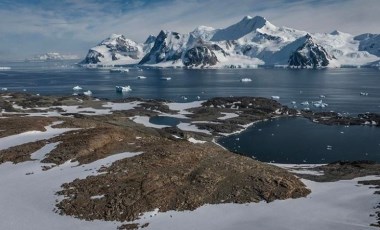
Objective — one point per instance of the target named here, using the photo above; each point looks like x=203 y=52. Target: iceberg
x=166 y=78
x=320 y=104
x=4 y=89
x=76 y=88
x=87 y=93
x=363 y=94
x=119 y=70
x=275 y=97
x=141 y=77
x=305 y=103
x=5 y=68
x=246 y=80
x=123 y=89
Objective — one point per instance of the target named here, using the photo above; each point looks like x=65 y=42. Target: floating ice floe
x=123 y=89
x=363 y=94
x=5 y=68
x=246 y=80
x=319 y=104
x=119 y=70
x=4 y=89
x=87 y=93
x=141 y=77
x=293 y=102
x=76 y=88
x=275 y=97
x=305 y=103
x=166 y=78
x=322 y=96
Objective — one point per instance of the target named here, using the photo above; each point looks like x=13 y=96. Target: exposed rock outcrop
x=309 y=55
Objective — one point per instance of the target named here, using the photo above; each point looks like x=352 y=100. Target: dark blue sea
x=293 y=141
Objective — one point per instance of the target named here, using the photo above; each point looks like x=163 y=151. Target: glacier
x=249 y=43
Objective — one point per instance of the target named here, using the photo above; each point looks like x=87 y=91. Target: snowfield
x=249 y=43
x=29 y=198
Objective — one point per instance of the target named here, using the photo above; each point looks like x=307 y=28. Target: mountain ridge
x=251 y=42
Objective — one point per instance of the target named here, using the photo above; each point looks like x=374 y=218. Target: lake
x=293 y=141
x=300 y=141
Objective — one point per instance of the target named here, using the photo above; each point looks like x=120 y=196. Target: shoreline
x=88 y=130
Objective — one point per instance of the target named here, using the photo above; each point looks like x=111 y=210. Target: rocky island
x=169 y=168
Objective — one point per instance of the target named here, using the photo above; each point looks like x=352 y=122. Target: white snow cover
x=228 y=116
x=53 y=56
x=28 y=199
x=254 y=41
x=144 y=120
x=182 y=107
x=342 y=205
x=32 y=136
x=195 y=141
x=191 y=128
x=109 y=107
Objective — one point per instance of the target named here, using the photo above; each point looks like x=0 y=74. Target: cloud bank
x=72 y=26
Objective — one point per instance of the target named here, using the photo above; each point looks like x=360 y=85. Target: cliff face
x=309 y=55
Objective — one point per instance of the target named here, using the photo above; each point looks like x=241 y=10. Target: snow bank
x=28 y=199
x=32 y=136
x=191 y=128
x=228 y=116
x=144 y=120
x=342 y=205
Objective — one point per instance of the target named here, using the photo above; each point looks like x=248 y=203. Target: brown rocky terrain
x=171 y=173
x=176 y=175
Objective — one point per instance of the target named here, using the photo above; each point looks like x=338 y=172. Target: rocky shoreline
x=178 y=169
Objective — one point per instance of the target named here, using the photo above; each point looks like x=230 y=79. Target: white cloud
x=86 y=23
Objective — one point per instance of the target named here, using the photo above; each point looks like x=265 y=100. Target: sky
x=29 y=27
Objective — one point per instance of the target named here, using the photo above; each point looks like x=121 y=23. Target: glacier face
x=250 y=42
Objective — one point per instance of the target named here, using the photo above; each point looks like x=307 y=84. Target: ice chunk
x=166 y=78
x=305 y=103
x=4 y=89
x=119 y=70
x=87 y=93
x=141 y=77
x=275 y=97
x=76 y=88
x=246 y=80
x=363 y=94
x=5 y=68
x=123 y=89
x=319 y=104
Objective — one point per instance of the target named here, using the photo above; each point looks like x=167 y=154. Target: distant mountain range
x=53 y=56
x=252 y=42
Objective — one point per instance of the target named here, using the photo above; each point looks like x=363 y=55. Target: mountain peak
x=247 y=25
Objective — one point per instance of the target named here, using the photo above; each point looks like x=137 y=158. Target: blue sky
x=29 y=27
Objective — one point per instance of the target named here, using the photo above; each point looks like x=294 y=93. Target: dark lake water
x=293 y=141
x=163 y=120
x=298 y=140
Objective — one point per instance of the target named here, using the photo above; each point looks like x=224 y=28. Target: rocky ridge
x=251 y=42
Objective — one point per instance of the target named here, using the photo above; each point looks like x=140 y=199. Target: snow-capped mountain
x=117 y=49
x=168 y=46
x=250 y=42
x=52 y=56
